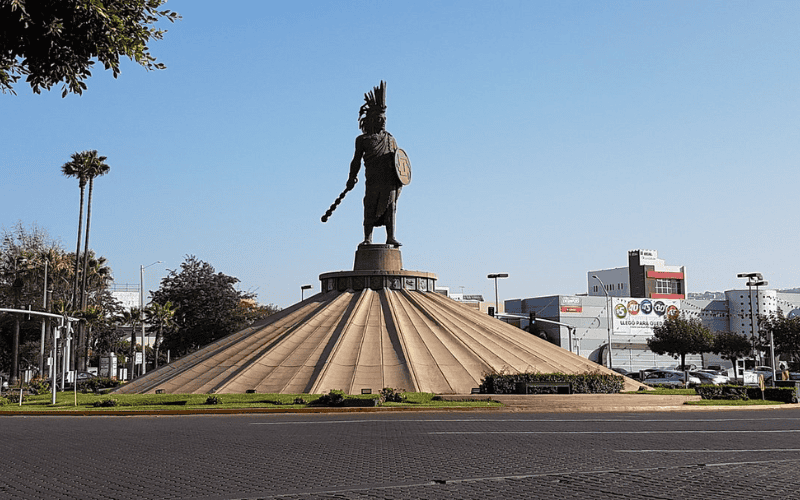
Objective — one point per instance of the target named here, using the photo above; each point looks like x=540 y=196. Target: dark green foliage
x=106 y=403
x=784 y=394
x=785 y=334
x=34 y=245
x=300 y=401
x=732 y=346
x=333 y=398
x=58 y=41
x=678 y=337
x=339 y=398
x=96 y=384
x=584 y=383
x=4 y=401
x=213 y=400
x=207 y=306
x=38 y=386
x=391 y=395
x=14 y=397
x=708 y=391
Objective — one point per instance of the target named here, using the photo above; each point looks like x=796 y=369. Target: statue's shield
x=402 y=166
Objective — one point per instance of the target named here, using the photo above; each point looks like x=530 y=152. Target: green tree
x=43 y=255
x=208 y=306
x=79 y=169
x=678 y=337
x=84 y=166
x=159 y=316
x=785 y=333
x=733 y=347
x=131 y=318
x=58 y=41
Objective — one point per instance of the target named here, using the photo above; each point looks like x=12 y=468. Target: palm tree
x=78 y=168
x=85 y=166
x=160 y=316
x=95 y=167
x=131 y=318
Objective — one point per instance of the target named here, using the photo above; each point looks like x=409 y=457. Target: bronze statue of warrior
x=378 y=149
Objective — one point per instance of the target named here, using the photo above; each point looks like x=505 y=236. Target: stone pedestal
x=378 y=267
x=378 y=258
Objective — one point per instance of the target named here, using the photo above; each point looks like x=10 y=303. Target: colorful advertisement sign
x=640 y=316
x=571 y=305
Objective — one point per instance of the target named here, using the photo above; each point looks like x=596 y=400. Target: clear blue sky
x=547 y=139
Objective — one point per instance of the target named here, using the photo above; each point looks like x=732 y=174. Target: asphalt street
x=710 y=455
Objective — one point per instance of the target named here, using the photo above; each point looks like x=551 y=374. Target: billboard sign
x=635 y=316
x=571 y=305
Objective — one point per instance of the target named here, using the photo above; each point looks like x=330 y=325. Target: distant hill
x=721 y=295
x=706 y=295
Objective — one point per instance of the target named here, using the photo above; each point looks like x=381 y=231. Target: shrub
x=39 y=386
x=391 y=395
x=14 y=397
x=95 y=384
x=333 y=398
x=708 y=391
x=213 y=400
x=300 y=401
x=583 y=383
x=4 y=401
x=784 y=394
x=106 y=403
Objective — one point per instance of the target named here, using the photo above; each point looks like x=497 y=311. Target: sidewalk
x=598 y=403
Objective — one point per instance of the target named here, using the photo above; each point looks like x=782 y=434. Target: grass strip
x=171 y=402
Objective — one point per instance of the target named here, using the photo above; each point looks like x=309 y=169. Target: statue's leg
x=367 y=234
x=390 y=217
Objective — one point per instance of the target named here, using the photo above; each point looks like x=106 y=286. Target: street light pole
x=608 y=319
x=758 y=329
x=45 y=321
x=496 y=300
x=141 y=311
x=751 y=279
x=303 y=289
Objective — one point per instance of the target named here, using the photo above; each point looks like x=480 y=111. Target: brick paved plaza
x=709 y=455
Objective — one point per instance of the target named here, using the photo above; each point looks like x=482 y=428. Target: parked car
x=710 y=377
x=84 y=376
x=622 y=371
x=669 y=377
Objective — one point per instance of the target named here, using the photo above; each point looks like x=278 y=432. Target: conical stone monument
x=376 y=326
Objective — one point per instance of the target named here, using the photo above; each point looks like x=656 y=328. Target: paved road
x=725 y=455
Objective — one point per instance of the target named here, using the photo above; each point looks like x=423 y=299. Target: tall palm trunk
x=74 y=299
x=75 y=289
x=83 y=347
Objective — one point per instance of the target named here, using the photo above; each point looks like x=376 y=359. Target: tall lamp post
x=757 y=280
x=496 y=300
x=141 y=310
x=608 y=318
x=303 y=289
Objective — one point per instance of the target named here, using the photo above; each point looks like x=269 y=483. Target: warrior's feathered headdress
x=374 y=102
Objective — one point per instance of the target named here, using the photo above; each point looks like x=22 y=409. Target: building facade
x=646 y=276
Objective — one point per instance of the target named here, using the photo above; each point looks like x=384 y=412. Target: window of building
x=668 y=286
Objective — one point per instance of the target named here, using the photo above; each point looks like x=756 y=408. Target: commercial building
x=622 y=307
x=646 y=276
